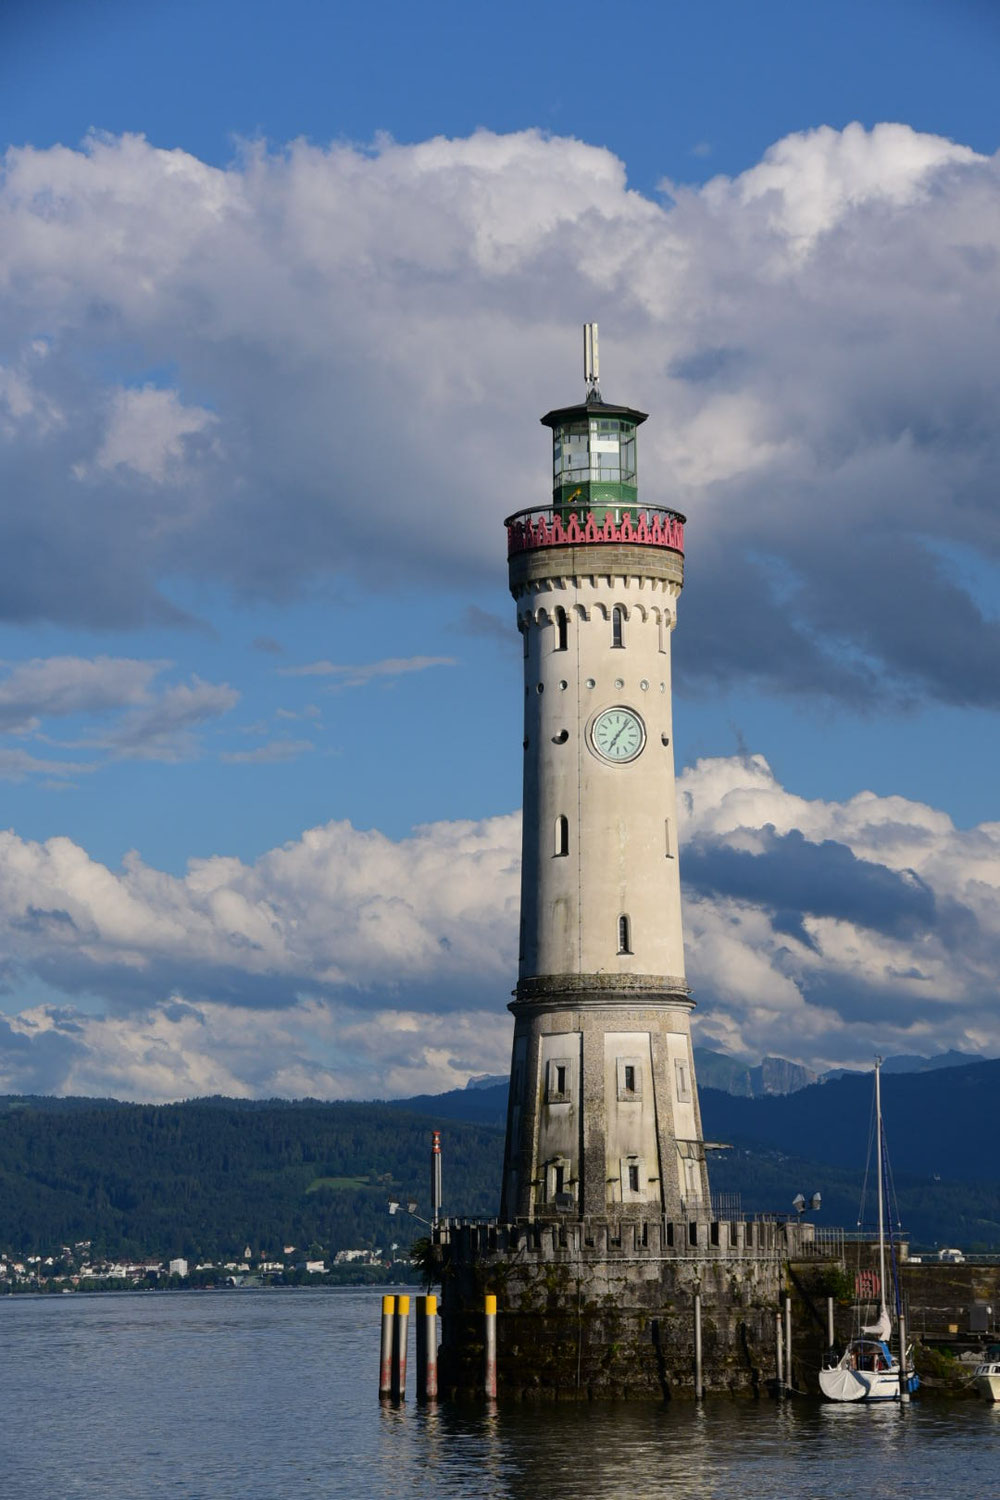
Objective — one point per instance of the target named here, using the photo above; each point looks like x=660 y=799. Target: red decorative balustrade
x=544 y=526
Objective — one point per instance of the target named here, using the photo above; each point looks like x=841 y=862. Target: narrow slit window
x=668 y=840
x=562 y=836
x=559 y=1081
x=617 y=626
x=662 y=633
x=559 y=1176
x=633 y=1177
x=624 y=934
x=562 y=629
x=629 y=1071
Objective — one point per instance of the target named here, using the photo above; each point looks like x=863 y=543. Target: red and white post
x=385 y=1363
x=490 y=1344
x=400 y=1331
x=426 y=1331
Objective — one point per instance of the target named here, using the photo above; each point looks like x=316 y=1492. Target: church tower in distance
x=603 y=1120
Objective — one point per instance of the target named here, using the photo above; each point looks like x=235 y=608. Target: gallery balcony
x=604 y=525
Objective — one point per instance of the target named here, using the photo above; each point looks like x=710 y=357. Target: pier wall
x=597 y=1309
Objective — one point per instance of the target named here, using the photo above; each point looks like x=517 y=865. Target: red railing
x=544 y=526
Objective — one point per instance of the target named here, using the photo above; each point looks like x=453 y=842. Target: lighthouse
x=608 y=1252
x=603 y=1118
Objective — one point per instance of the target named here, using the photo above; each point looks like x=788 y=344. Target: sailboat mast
x=881 y=1190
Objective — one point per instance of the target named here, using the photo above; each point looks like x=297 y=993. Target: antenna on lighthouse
x=591 y=362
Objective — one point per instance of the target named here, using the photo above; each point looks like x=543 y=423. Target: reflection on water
x=255 y=1394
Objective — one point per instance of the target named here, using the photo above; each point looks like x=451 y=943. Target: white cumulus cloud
x=360 y=340
x=346 y=963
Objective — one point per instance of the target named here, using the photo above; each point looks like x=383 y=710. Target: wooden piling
x=789 y=1376
x=779 y=1368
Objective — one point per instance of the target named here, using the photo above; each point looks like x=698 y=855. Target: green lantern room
x=593 y=449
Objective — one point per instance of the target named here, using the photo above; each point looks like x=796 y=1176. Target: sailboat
x=868 y=1370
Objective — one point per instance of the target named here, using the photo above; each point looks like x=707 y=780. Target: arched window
x=562 y=629
x=562 y=835
x=624 y=934
x=618 y=626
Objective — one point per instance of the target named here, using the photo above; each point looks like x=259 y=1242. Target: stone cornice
x=581 y=561
x=577 y=991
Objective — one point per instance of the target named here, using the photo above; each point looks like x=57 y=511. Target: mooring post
x=829 y=1323
x=431 y=1342
x=420 y=1329
x=400 y=1330
x=426 y=1331
x=698 y=1389
x=385 y=1363
x=904 y=1374
x=778 y=1366
x=490 y=1368
x=789 y=1377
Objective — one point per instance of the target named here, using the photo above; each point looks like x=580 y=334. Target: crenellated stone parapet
x=474 y=1241
x=545 y=526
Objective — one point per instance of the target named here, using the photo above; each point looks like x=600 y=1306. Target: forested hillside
x=206 y=1178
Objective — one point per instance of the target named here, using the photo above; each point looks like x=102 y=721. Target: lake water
x=274 y=1394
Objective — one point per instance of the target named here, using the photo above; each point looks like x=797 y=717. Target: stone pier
x=597 y=1309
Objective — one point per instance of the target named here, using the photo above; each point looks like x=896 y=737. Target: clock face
x=618 y=734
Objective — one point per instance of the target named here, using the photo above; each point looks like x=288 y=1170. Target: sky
x=283 y=293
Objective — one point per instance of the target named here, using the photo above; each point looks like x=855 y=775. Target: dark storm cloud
x=792 y=877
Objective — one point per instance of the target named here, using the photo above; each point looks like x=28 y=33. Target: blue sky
x=264 y=405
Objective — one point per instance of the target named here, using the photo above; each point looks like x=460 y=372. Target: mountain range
x=776 y=1075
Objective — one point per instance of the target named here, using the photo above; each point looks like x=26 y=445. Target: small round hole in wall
x=644 y=685
x=619 y=682
x=561 y=737
x=591 y=683
x=663 y=687
x=664 y=739
x=540 y=688
x=563 y=686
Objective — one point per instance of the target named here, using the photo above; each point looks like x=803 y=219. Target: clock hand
x=617 y=736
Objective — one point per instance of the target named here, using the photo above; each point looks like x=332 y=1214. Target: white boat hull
x=841 y=1384
x=987 y=1382
x=868 y=1371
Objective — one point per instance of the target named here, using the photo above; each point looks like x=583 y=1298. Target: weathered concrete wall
x=940 y=1298
x=595 y=1129
x=620 y=819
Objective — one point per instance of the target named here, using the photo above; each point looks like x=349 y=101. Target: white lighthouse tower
x=603 y=1119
